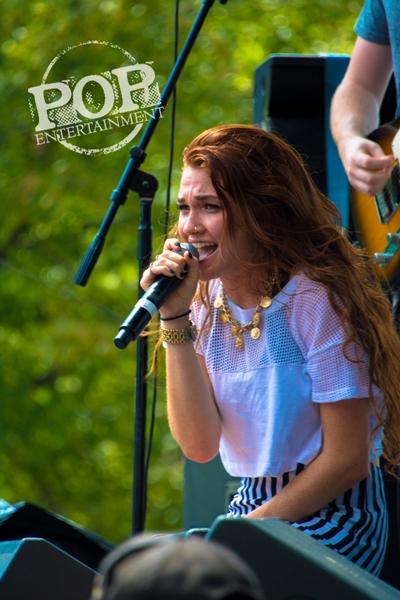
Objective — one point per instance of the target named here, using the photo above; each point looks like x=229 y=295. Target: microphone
x=148 y=305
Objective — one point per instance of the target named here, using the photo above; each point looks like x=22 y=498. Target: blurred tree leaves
x=66 y=427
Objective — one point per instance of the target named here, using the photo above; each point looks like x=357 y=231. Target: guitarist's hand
x=366 y=165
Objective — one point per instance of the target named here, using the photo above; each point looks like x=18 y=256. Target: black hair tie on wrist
x=178 y=317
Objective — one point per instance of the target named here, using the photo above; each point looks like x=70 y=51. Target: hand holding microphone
x=148 y=305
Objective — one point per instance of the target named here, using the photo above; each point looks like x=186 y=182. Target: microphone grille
x=191 y=248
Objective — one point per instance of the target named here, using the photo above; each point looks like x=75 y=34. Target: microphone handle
x=145 y=310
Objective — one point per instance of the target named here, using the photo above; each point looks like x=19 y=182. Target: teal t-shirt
x=379 y=22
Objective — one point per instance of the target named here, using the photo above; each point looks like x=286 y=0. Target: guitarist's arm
x=355 y=113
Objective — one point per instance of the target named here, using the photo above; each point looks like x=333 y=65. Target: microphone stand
x=146 y=186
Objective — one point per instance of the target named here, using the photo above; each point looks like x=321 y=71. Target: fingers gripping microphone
x=149 y=304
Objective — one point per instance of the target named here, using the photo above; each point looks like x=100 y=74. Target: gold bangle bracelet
x=179 y=336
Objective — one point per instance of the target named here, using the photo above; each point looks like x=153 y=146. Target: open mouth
x=205 y=249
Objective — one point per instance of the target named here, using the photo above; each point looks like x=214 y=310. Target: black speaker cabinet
x=292 y=98
x=292 y=566
x=34 y=569
x=25 y=520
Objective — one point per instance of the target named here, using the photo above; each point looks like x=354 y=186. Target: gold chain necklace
x=237 y=329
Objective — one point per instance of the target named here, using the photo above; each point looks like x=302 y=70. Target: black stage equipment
x=292 y=97
x=292 y=566
x=45 y=556
x=24 y=520
x=34 y=569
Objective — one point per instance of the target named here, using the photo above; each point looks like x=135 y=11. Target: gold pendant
x=235 y=331
x=265 y=301
x=255 y=333
x=218 y=302
x=222 y=316
x=256 y=319
x=239 y=341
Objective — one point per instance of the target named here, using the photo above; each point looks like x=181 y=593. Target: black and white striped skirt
x=355 y=524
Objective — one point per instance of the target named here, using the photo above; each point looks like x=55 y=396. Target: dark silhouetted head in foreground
x=174 y=568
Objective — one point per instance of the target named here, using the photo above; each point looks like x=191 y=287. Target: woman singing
x=281 y=351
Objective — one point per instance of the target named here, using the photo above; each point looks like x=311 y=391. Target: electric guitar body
x=377 y=218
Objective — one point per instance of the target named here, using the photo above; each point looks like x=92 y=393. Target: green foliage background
x=67 y=394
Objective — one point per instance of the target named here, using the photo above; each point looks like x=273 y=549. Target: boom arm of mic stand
x=137 y=153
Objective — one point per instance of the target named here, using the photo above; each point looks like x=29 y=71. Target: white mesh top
x=268 y=393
